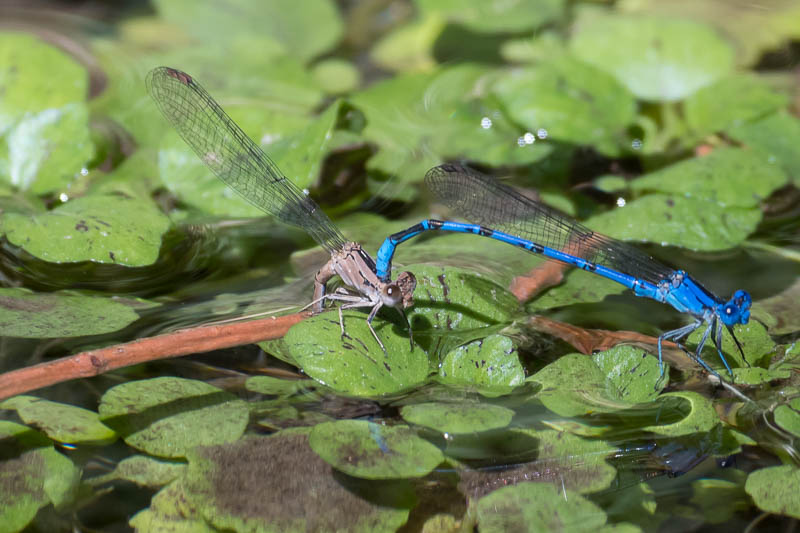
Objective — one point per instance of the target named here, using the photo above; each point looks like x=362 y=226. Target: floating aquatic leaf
x=700 y=416
x=374 y=451
x=354 y=363
x=61 y=422
x=574 y=102
x=464 y=417
x=655 y=58
x=494 y=15
x=144 y=471
x=168 y=416
x=32 y=475
x=60 y=314
x=692 y=223
x=101 y=228
x=776 y=135
x=731 y=101
x=297 y=490
x=490 y=364
x=730 y=177
x=537 y=507
x=776 y=489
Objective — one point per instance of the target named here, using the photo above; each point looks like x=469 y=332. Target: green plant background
x=670 y=124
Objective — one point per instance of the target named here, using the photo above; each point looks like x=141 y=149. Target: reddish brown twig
x=173 y=344
x=541 y=277
x=588 y=341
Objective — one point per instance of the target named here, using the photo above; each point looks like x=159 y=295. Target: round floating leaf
x=776 y=135
x=296 y=490
x=756 y=343
x=144 y=471
x=576 y=385
x=409 y=48
x=59 y=314
x=170 y=511
x=32 y=475
x=167 y=416
x=537 y=507
x=730 y=177
x=355 y=364
x=450 y=299
x=731 y=101
x=782 y=307
x=277 y=386
x=372 y=451
x=491 y=364
x=47 y=149
x=574 y=102
x=61 y=422
x=336 y=75
x=35 y=76
x=656 y=58
x=304 y=29
x=700 y=414
x=776 y=489
x=691 y=223
x=788 y=416
x=565 y=461
x=100 y=228
x=497 y=16
x=467 y=417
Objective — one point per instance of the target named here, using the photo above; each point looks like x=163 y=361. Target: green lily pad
x=32 y=475
x=565 y=461
x=788 y=416
x=730 y=177
x=776 y=135
x=277 y=386
x=575 y=103
x=755 y=30
x=297 y=491
x=144 y=471
x=756 y=344
x=700 y=416
x=776 y=489
x=409 y=48
x=456 y=418
x=445 y=114
x=60 y=314
x=336 y=76
x=491 y=364
x=373 y=451
x=47 y=150
x=691 y=223
x=170 y=511
x=488 y=16
x=304 y=29
x=355 y=364
x=731 y=101
x=61 y=422
x=450 y=299
x=100 y=228
x=44 y=122
x=657 y=59
x=537 y=507
x=720 y=499
x=613 y=380
x=167 y=416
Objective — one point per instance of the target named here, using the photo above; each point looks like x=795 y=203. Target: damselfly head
x=737 y=309
x=400 y=292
